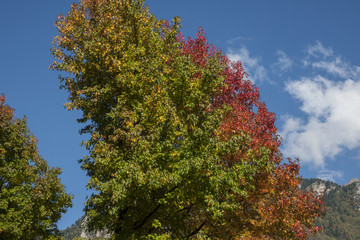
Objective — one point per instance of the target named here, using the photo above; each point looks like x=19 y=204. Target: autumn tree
x=273 y=207
x=32 y=197
x=180 y=144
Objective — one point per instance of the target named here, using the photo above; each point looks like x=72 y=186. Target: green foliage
x=150 y=129
x=179 y=139
x=32 y=197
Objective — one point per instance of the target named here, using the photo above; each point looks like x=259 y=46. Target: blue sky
x=303 y=55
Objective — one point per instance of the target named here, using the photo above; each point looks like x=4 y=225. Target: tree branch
x=146 y=218
x=121 y=217
x=196 y=230
x=137 y=226
x=186 y=208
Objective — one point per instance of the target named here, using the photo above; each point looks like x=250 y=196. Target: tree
x=181 y=145
x=274 y=206
x=32 y=197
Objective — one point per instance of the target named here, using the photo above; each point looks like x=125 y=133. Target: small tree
x=32 y=197
x=181 y=145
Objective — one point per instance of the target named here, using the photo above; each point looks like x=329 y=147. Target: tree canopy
x=181 y=145
x=32 y=197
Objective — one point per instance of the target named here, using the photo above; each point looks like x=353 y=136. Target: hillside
x=342 y=218
x=73 y=231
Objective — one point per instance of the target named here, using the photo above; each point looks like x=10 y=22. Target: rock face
x=93 y=235
x=353 y=180
x=357 y=184
x=320 y=188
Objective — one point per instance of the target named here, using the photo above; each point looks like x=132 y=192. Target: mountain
x=74 y=230
x=342 y=219
x=341 y=222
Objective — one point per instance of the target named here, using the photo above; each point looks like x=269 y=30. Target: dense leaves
x=272 y=206
x=181 y=145
x=32 y=197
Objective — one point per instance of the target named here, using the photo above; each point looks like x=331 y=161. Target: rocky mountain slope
x=342 y=219
x=74 y=230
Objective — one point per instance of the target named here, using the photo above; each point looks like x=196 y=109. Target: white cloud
x=332 y=123
x=318 y=50
x=329 y=175
x=283 y=62
x=338 y=67
x=236 y=39
x=256 y=71
x=322 y=58
x=330 y=100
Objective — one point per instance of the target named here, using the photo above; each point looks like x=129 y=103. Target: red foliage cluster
x=282 y=209
x=6 y=112
x=199 y=48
